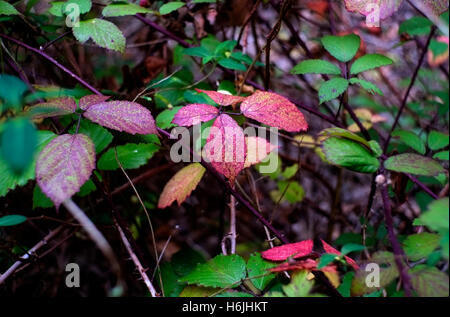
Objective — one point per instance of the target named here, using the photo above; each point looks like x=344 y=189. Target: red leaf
x=225 y=147
x=274 y=110
x=295 y=250
x=180 y=186
x=257 y=149
x=89 y=100
x=53 y=107
x=221 y=98
x=125 y=116
x=329 y=249
x=194 y=114
x=64 y=165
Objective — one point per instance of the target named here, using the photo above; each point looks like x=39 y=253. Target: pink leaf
x=194 y=114
x=225 y=147
x=54 y=107
x=125 y=116
x=374 y=9
x=64 y=165
x=295 y=250
x=274 y=110
x=221 y=98
x=329 y=249
x=257 y=149
x=180 y=186
x=89 y=100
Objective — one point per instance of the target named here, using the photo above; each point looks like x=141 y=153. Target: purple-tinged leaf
x=64 y=165
x=221 y=98
x=180 y=186
x=89 y=100
x=274 y=110
x=194 y=114
x=225 y=147
x=124 y=116
x=54 y=107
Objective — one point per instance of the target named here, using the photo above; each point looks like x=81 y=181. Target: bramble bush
x=113 y=110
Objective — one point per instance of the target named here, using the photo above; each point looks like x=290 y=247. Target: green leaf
x=186 y=260
x=414 y=164
x=376 y=148
x=437 y=216
x=130 y=156
x=443 y=155
x=415 y=26
x=9 y=179
x=234 y=294
x=11 y=91
x=98 y=134
x=224 y=271
x=104 y=33
x=438 y=48
x=343 y=48
x=367 y=85
x=326 y=259
x=198 y=51
x=346 y=284
x=256 y=267
x=226 y=46
x=352 y=247
x=83 y=5
x=164 y=119
x=291 y=191
x=170 y=7
x=199 y=291
x=332 y=88
x=349 y=154
x=12 y=220
x=410 y=139
x=123 y=9
x=56 y=8
x=429 y=281
x=369 y=61
x=171 y=286
x=437 y=140
x=346 y=134
x=40 y=200
x=316 y=66
x=418 y=246
x=18 y=142
x=232 y=64
x=299 y=286
x=7 y=9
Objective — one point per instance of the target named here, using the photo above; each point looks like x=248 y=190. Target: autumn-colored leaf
x=221 y=98
x=294 y=250
x=374 y=10
x=54 y=107
x=257 y=149
x=64 y=165
x=329 y=249
x=180 y=186
x=89 y=100
x=274 y=110
x=318 y=6
x=125 y=116
x=225 y=147
x=194 y=114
